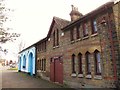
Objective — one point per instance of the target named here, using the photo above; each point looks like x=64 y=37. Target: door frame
x=52 y=62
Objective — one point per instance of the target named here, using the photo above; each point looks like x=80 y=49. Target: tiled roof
x=61 y=22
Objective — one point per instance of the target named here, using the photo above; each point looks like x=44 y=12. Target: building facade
x=27 y=60
x=83 y=52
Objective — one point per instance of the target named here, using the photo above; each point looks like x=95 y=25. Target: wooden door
x=56 y=70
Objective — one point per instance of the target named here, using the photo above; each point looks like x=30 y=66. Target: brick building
x=83 y=52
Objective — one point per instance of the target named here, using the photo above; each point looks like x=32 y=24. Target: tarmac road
x=14 y=79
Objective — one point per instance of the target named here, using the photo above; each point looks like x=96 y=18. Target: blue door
x=31 y=64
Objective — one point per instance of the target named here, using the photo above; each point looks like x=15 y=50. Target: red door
x=56 y=70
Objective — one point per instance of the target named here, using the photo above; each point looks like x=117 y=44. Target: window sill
x=43 y=71
x=80 y=75
x=72 y=42
x=55 y=47
x=98 y=77
x=89 y=76
x=86 y=37
x=41 y=51
x=38 y=70
x=73 y=75
x=78 y=39
x=95 y=34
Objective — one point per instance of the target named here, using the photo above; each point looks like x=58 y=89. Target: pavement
x=14 y=79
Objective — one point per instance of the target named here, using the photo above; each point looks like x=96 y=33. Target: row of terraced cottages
x=83 y=52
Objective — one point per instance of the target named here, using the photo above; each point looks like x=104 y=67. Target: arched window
x=80 y=63
x=97 y=62
x=24 y=61
x=73 y=64
x=88 y=63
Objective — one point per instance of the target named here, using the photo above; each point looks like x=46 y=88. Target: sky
x=32 y=18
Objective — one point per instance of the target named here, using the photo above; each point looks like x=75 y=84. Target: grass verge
x=12 y=69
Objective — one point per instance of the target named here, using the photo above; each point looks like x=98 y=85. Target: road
x=14 y=79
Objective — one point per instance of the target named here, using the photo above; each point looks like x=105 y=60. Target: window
x=54 y=39
x=78 y=32
x=71 y=34
x=40 y=64
x=80 y=63
x=88 y=64
x=44 y=65
x=45 y=45
x=94 y=26
x=57 y=37
x=24 y=62
x=97 y=62
x=85 y=30
x=73 y=64
x=40 y=47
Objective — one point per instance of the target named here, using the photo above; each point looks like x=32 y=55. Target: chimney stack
x=75 y=14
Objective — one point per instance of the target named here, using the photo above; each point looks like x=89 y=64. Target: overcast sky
x=32 y=18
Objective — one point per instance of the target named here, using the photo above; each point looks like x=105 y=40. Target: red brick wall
x=66 y=48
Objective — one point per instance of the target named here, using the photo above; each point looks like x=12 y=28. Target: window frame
x=94 y=26
x=73 y=63
x=40 y=64
x=85 y=29
x=97 y=64
x=80 y=63
x=57 y=39
x=88 y=63
x=78 y=32
x=72 y=34
x=44 y=65
x=54 y=39
x=24 y=61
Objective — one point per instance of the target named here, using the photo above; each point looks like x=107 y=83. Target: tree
x=5 y=35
